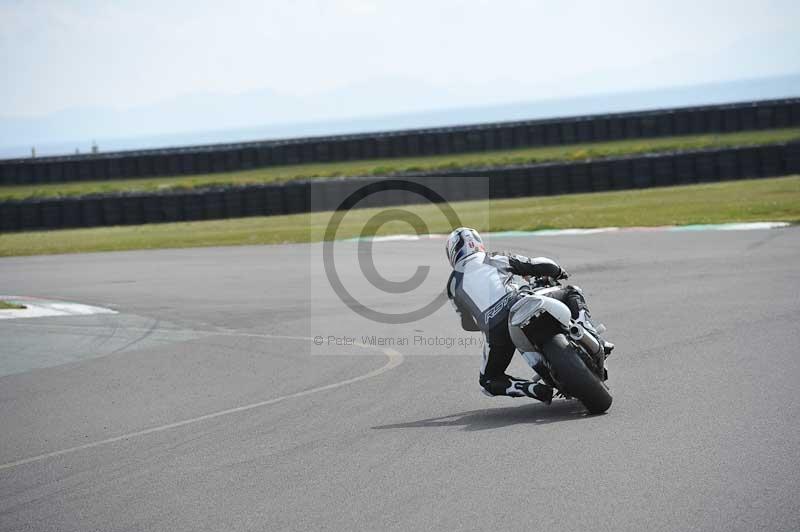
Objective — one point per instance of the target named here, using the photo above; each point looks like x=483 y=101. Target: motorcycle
x=573 y=356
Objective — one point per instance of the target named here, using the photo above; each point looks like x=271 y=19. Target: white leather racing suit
x=482 y=290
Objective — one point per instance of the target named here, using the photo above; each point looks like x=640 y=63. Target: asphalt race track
x=204 y=405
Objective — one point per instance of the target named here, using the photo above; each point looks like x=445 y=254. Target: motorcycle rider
x=482 y=292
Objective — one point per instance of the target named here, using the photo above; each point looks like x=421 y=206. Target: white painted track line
x=41 y=308
x=395 y=359
x=744 y=226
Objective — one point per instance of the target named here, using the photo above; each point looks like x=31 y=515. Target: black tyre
x=574 y=377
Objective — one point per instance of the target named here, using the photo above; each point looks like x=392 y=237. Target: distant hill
x=208 y=118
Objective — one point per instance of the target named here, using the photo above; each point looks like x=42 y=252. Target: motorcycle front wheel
x=574 y=377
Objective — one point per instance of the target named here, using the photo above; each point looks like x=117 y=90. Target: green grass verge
x=5 y=305
x=383 y=167
x=736 y=201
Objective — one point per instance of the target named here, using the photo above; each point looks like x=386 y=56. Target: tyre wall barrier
x=192 y=160
x=642 y=171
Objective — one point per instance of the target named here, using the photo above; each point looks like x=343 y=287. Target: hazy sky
x=122 y=54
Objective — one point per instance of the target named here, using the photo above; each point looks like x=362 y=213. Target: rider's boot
x=535 y=390
x=513 y=387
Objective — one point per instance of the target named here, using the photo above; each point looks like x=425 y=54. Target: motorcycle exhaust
x=587 y=341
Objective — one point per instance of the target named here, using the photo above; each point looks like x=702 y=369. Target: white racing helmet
x=462 y=243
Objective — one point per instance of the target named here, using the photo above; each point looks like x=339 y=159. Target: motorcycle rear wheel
x=574 y=376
